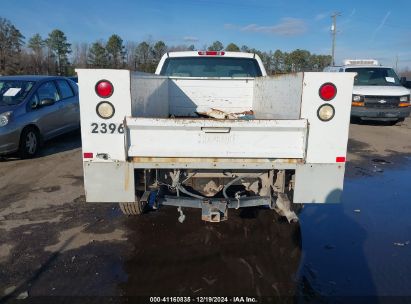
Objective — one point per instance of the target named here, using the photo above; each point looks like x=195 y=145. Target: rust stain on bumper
x=126 y=180
x=216 y=160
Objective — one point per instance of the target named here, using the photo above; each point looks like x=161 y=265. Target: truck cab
x=378 y=93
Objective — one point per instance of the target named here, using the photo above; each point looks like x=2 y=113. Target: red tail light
x=104 y=88
x=211 y=53
x=87 y=155
x=340 y=159
x=327 y=91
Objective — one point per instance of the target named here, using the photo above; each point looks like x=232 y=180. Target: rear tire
x=297 y=208
x=356 y=120
x=132 y=208
x=29 y=142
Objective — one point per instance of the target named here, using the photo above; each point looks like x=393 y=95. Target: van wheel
x=398 y=122
x=132 y=208
x=29 y=142
x=356 y=120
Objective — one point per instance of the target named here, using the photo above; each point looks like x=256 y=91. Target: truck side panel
x=327 y=140
x=278 y=97
x=107 y=175
x=321 y=179
x=149 y=96
x=96 y=136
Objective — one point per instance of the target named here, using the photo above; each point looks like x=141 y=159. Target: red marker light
x=327 y=91
x=340 y=159
x=211 y=53
x=104 y=88
x=87 y=155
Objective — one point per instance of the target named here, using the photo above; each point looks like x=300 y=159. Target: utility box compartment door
x=184 y=137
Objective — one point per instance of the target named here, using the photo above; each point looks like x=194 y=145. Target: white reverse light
x=326 y=112
x=105 y=110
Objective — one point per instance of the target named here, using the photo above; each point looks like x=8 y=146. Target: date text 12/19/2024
x=203 y=300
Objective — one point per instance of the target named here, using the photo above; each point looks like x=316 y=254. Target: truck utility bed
x=214 y=142
x=165 y=120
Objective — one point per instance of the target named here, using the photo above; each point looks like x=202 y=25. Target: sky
x=365 y=29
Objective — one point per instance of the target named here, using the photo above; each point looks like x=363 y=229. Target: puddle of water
x=381 y=161
x=361 y=247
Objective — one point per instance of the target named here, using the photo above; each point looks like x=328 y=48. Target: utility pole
x=334 y=33
x=396 y=63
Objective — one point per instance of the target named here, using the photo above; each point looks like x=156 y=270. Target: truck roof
x=367 y=66
x=211 y=54
x=215 y=53
x=362 y=63
x=348 y=66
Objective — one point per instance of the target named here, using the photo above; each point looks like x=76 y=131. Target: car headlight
x=5 y=118
x=357 y=98
x=405 y=98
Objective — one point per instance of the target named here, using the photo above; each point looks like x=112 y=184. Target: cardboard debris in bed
x=218 y=114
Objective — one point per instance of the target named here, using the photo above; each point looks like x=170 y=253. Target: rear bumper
x=314 y=183
x=214 y=163
x=380 y=113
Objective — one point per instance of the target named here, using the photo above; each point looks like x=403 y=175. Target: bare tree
x=130 y=50
x=80 y=55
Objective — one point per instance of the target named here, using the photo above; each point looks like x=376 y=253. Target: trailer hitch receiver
x=214 y=211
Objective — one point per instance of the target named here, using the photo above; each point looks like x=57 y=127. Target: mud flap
x=318 y=183
x=108 y=182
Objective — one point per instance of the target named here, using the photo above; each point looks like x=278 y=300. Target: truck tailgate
x=185 y=137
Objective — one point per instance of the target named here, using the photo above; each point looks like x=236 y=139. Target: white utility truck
x=378 y=93
x=211 y=130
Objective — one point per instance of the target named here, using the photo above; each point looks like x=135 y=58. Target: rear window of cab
x=210 y=67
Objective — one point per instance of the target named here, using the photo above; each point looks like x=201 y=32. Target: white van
x=378 y=93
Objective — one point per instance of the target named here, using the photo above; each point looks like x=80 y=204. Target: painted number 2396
x=104 y=128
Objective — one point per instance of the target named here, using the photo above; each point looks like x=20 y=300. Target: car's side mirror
x=34 y=104
x=403 y=80
x=46 y=102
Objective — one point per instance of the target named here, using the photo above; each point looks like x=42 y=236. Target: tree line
x=54 y=55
